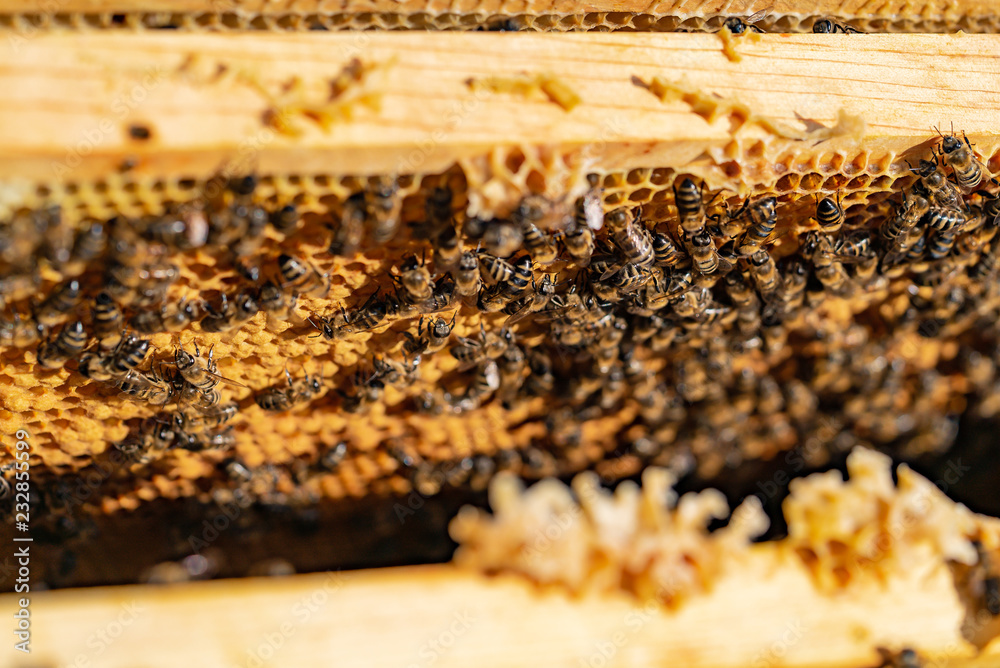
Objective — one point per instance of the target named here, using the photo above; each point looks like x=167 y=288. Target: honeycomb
x=864 y=357
x=785 y=16
x=889 y=359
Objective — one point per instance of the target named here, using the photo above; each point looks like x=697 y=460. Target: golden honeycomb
x=72 y=420
x=852 y=365
x=670 y=16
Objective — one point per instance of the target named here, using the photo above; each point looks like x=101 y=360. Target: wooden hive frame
x=210 y=92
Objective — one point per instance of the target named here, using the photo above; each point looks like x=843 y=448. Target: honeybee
x=347 y=237
x=665 y=252
x=907 y=217
x=991 y=208
x=853 y=246
x=166 y=318
x=904 y=658
x=466 y=275
x=148 y=443
x=579 y=242
x=89 y=245
x=738 y=26
x=523 y=276
x=541 y=381
x=107 y=321
x=431 y=403
x=830 y=214
x=491 y=299
x=763 y=219
x=974 y=241
x=728 y=257
x=485 y=382
x=203 y=378
x=94 y=365
x=141 y=284
x=366 y=388
x=540 y=246
x=383 y=207
x=210 y=418
x=703 y=253
x=765 y=274
x=368 y=316
x=834 y=277
x=395 y=372
x=276 y=302
x=943 y=220
x=541 y=295
x=18 y=332
x=58 y=304
x=302 y=278
x=293 y=394
x=488 y=346
x=690 y=207
x=231 y=315
x=182 y=230
x=941 y=243
x=512 y=366
x=68 y=344
x=438 y=213
x=332 y=457
x=149 y=387
x=243 y=229
x=442 y=296
x=214 y=440
x=738 y=289
x=285 y=219
x=830 y=26
x=130 y=352
x=495 y=271
x=940 y=191
x=502 y=239
x=968 y=170
x=416 y=280
x=628 y=278
x=631 y=239
x=447 y=248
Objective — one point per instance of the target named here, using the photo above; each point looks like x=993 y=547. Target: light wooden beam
x=203 y=97
x=763 y=613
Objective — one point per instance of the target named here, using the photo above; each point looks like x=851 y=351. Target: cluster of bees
x=708 y=336
x=690 y=325
x=135 y=280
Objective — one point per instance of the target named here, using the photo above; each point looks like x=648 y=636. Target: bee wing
x=468 y=366
x=520 y=314
x=611 y=272
x=849 y=259
x=753 y=18
x=223 y=378
x=674 y=294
